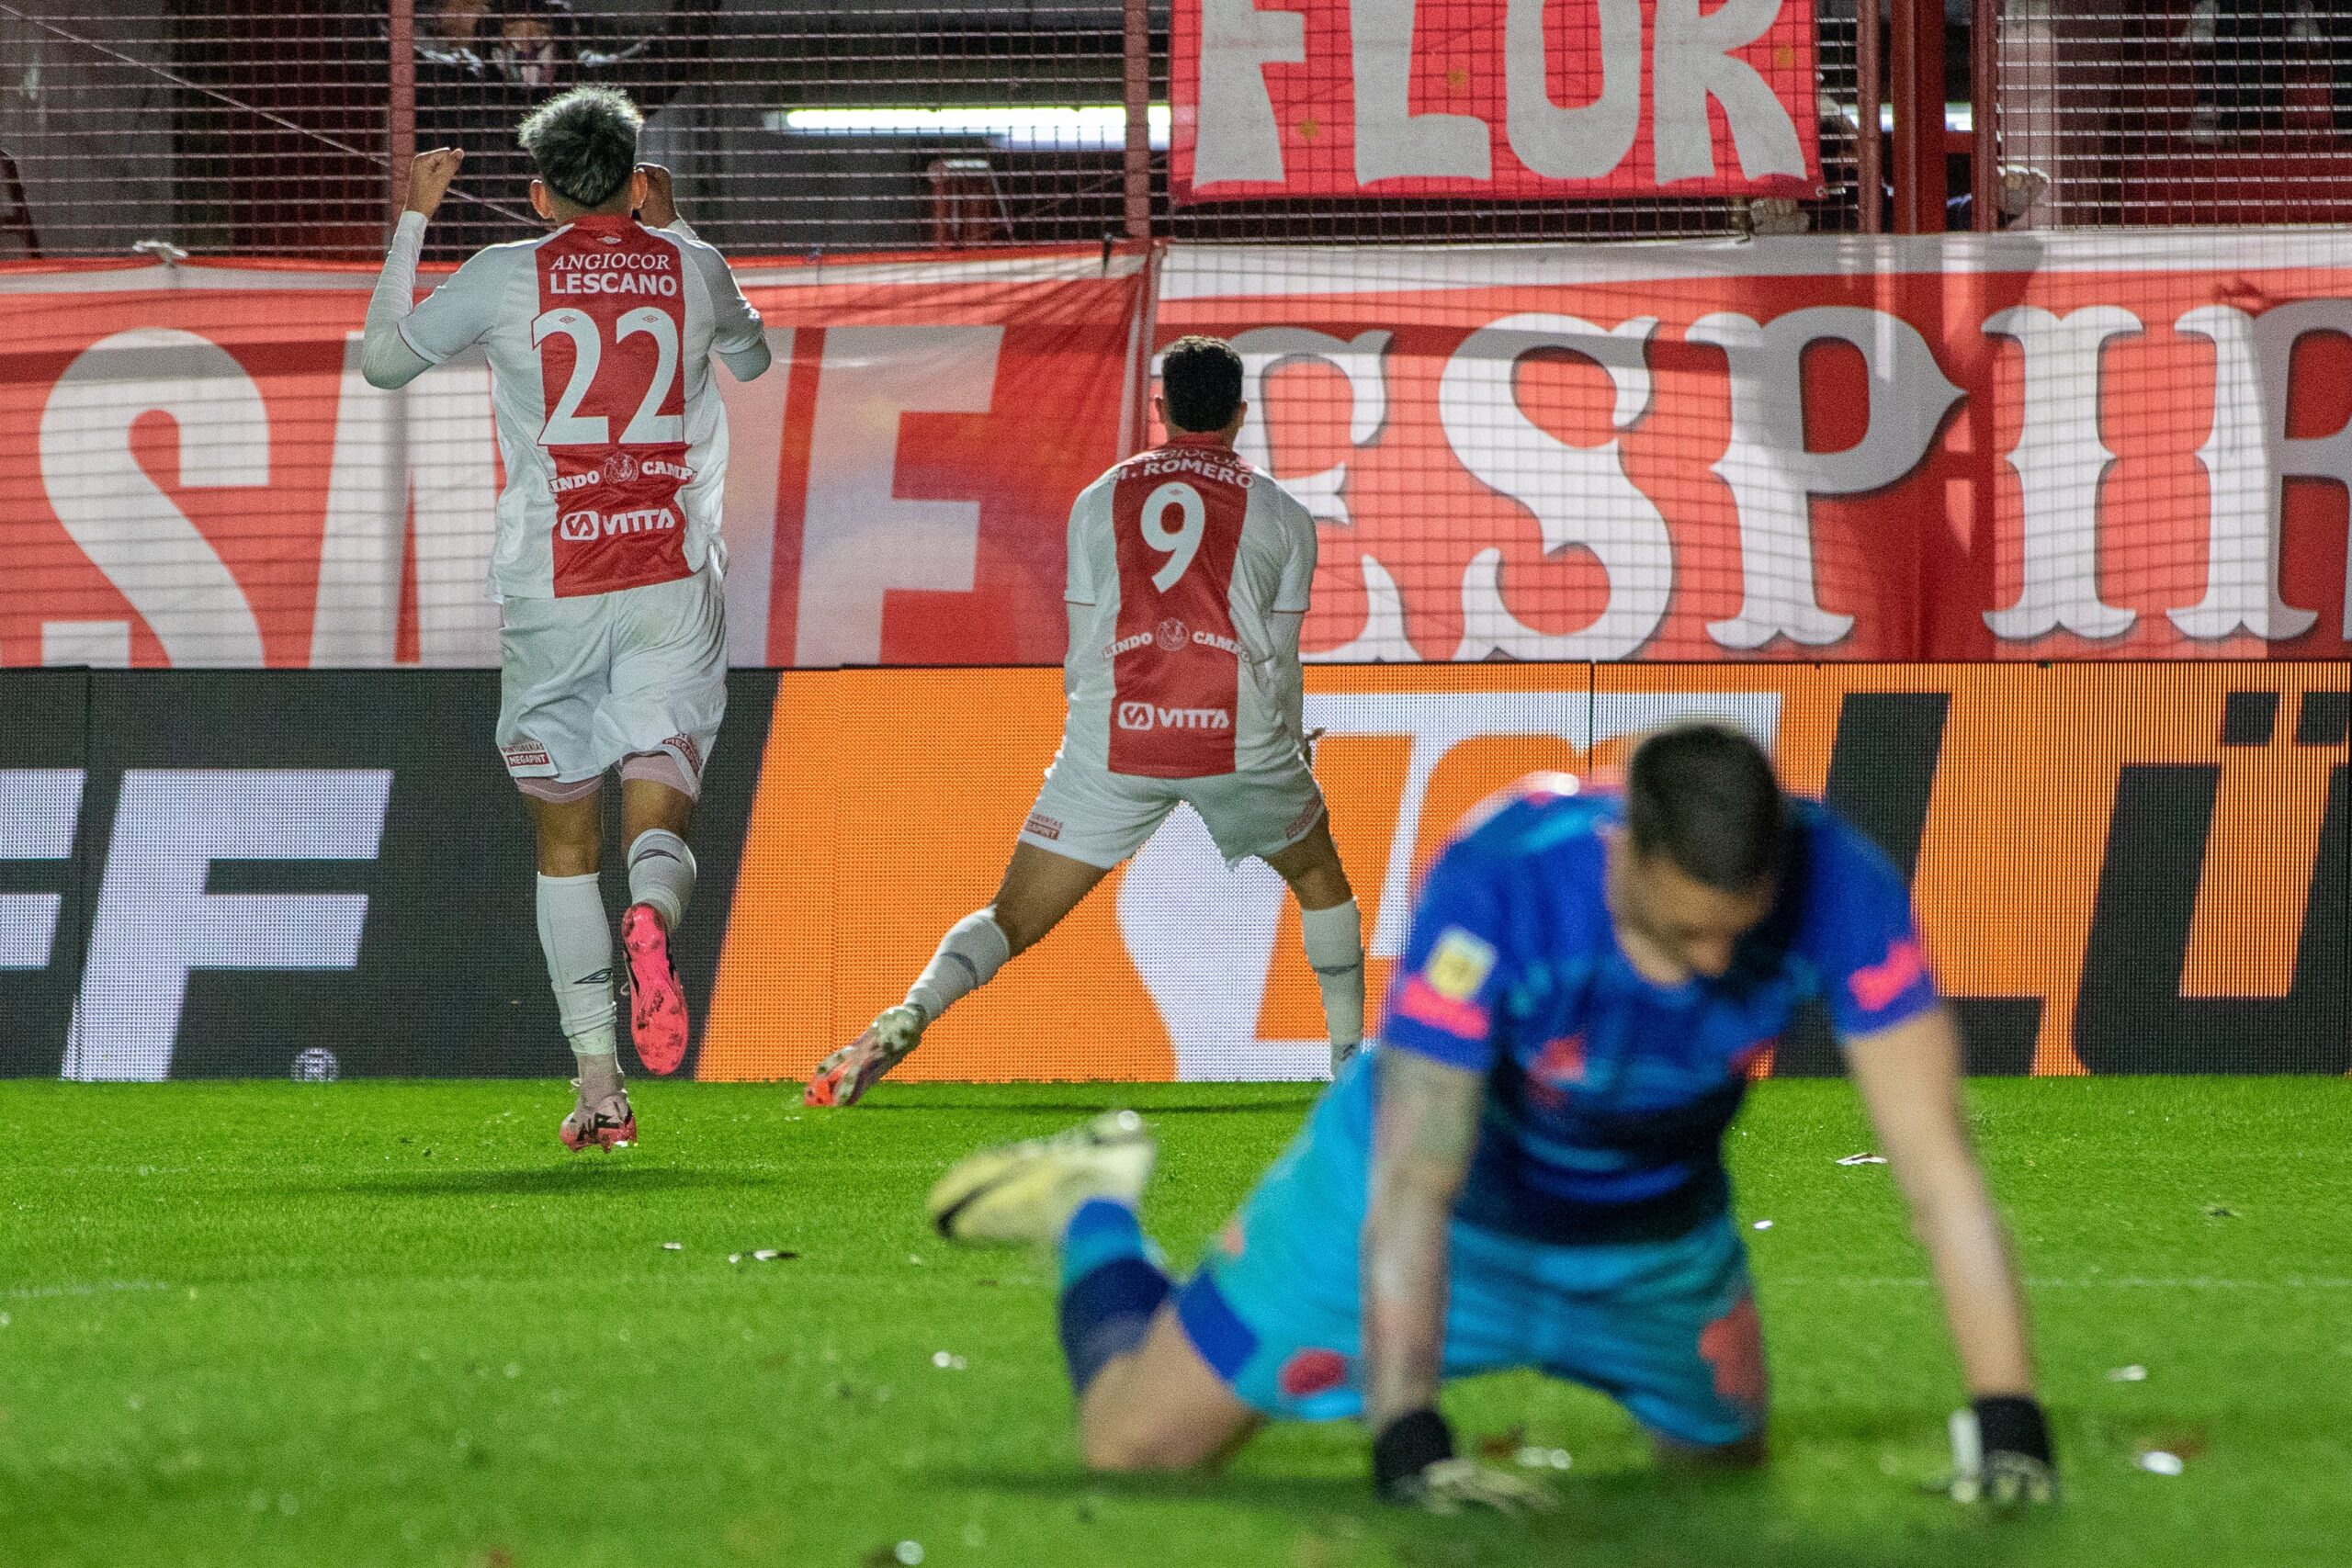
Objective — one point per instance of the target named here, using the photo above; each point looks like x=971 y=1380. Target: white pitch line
x=104 y=1287
x=2120 y=1282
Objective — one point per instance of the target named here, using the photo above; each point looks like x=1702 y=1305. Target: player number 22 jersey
x=599 y=338
x=1178 y=557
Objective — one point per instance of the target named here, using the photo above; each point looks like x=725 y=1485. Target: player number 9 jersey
x=1178 y=557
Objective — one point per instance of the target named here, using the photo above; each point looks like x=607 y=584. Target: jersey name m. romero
x=1177 y=558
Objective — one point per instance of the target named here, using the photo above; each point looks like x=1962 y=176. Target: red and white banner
x=2015 y=446
x=1495 y=99
x=205 y=479
x=2019 y=447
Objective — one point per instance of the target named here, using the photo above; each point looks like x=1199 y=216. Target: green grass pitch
x=268 y=1324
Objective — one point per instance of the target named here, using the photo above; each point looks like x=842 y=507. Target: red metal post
x=1917 y=58
x=1871 y=148
x=1985 y=115
x=402 y=47
x=1138 y=101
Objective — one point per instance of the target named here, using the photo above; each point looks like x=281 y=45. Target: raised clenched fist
x=429 y=177
x=661 y=207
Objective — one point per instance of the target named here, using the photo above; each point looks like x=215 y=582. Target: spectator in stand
x=482 y=64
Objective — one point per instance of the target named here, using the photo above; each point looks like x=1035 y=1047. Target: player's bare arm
x=1425 y=1128
x=1908 y=1076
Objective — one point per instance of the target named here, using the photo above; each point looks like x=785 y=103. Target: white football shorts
x=588 y=681
x=1090 y=814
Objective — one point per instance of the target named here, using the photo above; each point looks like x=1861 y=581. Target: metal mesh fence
x=237 y=126
x=234 y=127
x=2177 y=111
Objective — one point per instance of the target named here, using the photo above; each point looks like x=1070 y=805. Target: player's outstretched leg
x=576 y=936
x=1038 y=889
x=1333 y=932
x=1146 y=1401
x=660 y=883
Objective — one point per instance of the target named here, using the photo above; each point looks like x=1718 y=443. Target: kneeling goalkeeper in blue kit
x=1528 y=1169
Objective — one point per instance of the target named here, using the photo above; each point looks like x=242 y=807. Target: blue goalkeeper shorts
x=1668 y=1328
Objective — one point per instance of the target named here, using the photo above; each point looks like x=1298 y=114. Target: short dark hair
x=1704 y=795
x=1201 y=378
x=583 y=144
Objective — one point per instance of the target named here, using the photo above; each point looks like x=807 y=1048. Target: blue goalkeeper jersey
x=1608 y=1095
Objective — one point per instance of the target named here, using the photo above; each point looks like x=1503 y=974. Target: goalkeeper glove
x=2000 y=1452
x=1413 y=1464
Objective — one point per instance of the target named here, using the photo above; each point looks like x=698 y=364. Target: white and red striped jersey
x=1180 y=559
x=615 y=442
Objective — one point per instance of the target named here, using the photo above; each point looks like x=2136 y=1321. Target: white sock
x=596 y=1056
x=661 y=873
x=576 y=935
x=1335 y=951
x=969 y=955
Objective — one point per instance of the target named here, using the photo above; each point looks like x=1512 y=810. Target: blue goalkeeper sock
x=1111 y=1283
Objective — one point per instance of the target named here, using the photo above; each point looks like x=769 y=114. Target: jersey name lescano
x=599 y=338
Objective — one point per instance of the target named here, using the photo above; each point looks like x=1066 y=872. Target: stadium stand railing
x=233 y=127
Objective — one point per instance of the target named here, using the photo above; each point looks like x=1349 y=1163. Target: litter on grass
x=2133 y=1373
x=2156 y=1461
x=1863 y=1160
x=1763 y=1224
x=946 y=1362
x=674 y=1246
x=1535 y=1458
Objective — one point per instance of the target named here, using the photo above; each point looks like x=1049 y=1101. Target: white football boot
x=1027 y=1191
x=843 y=1076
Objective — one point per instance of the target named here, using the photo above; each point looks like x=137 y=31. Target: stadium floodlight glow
x=1069 y=125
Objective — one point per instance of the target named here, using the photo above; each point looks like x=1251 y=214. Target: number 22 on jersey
x=610 y=333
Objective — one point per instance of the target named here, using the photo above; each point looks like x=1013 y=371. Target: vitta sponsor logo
x=643 y=519
x=1147 y=716
x=578 y=528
